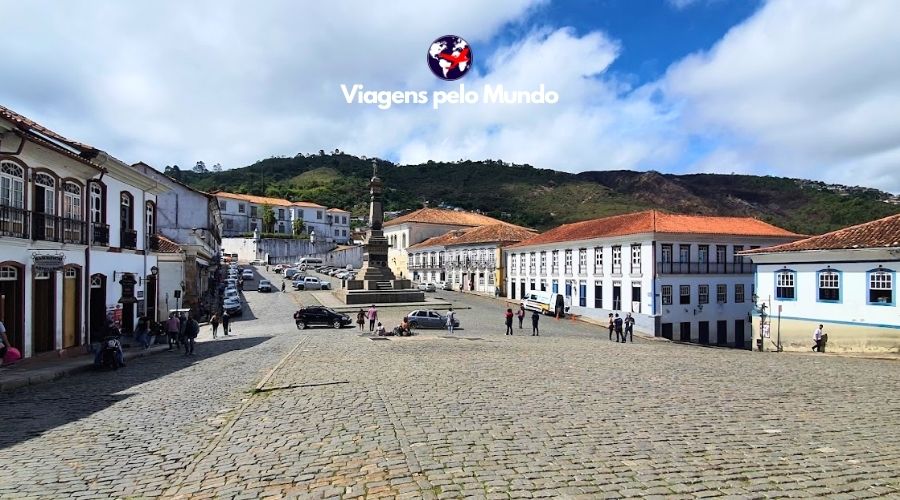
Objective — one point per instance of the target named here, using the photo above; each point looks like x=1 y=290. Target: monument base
x=376 y=296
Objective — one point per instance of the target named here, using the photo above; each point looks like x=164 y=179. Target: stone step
x=384 y=285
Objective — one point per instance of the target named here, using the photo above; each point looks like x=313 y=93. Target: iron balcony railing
x=48 y=227
x=128 y=239
x=14 y=222
x=704 y=267
x=100 y=234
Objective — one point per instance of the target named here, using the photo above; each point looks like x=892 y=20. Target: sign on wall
x=48 y=261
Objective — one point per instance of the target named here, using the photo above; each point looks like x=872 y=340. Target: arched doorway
x=43 y=318
x=12 y=286
x=71 y=306
x=98 y=307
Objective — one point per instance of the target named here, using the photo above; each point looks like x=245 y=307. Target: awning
x=202 y=262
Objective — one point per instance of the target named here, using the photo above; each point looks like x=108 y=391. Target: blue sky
x=797 y=88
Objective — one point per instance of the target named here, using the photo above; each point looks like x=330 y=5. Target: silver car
x=427 y=318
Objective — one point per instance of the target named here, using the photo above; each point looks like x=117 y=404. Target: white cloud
x=807 y=90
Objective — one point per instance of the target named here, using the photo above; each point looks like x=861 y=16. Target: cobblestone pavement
x=478 y=415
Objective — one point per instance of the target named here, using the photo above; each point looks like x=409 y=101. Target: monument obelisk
x=375 y=282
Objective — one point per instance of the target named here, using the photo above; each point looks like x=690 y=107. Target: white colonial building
x=420 y=225
x=469 y=259
x=75 y=225
x=845 y=280
x=242 y=214
x=679 y=275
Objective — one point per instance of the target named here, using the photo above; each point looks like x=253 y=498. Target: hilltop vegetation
x=543 y=198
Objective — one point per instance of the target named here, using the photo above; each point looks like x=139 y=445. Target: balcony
x=14 y=222
x=100 y=234
x=128 y=239
x=153 y=242
x=704 y=267
x=47 y=227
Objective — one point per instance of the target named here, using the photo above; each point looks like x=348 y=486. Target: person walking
x=214 y=322
x=282 y=286
x=629 y=328
x=172 y=328
x=191 y=330
x=521 y=314
x=372 y=314
x=535 y=317
x=361 y=319
x=818 y=346
x=509 y=318
x=226 y=323
x=142 y=332
x=620 y=336
x=612 y=325
x=451 y=318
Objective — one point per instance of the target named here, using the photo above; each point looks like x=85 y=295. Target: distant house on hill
x=242 y=213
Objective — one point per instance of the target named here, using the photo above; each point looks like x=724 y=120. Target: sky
x=798 y=88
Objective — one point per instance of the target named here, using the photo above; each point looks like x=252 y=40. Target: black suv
x=318 y=315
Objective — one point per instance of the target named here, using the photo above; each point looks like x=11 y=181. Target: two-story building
x=845 y=280
x=75 y=225
x=469 y=259
x=681 y=276
x=416 y=227
x=242 y=214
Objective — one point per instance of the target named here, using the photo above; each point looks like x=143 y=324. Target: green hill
x=543 y=198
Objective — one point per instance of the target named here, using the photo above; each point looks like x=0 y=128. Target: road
x=478 y=415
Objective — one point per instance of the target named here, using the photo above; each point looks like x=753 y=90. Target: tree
x=268 y=219
x=200 y=168
x=297 y=226
x=217 y=167
x=173 y=172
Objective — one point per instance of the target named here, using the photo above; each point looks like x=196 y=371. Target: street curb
x=49 y=374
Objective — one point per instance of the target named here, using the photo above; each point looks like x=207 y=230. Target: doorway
x=71 y=307
x=151 y=298
x=703 y=328
x=128 y=318
x=512 y=290
x=582 y=294
x=722 y=332
x=12 y=285
x=684 y=333
x=43 y=318
x=522 y=289
x=739 y=333
x=98 y=308
x=666 y=330
x=617 y=297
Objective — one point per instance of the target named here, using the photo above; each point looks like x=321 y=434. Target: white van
x=308 y=262
x=546 y=302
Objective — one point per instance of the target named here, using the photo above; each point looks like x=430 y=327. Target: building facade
x=420 y=225
x=680 y=276
x=242 y=214
x=845 y=280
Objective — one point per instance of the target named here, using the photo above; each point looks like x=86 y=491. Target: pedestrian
x=380 y=331
x=267 y=268
x=535 y=317
x=521 y=314
x=282 y=286
x=182 y=323
x=509 y=317
x=620 y=336
x=226 y=323
x=214 y=321
x=451 y=318
x=629 y=328
x=361 y=319
x=172 y=328
x=817 y=339
x=372 y=314
x=191 y=330
x=142 y=332
x=612 y=325
x=4 y=342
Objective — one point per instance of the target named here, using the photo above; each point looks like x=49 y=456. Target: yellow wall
x=797 y=335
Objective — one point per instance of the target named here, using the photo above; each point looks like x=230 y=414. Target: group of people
x=535 y=319
x=182 y=329
x=616 y=325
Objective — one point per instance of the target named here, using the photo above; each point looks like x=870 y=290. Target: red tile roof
x=442 y=216
x=442 y=240
x=263 y=200
x=881 y=233
x=495 y=233
x=46 y=137
x=653 y=221
x=167 y=246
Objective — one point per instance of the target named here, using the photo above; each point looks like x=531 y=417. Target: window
x=126 y=213
x=490 y=278
x=598 y=261
x=703 y=294
x=150 y=218
x=12 y=185
x=666 y=253
x=543 y=285
x=703 y=254
x=281 y=214
x=242 y=208
x=543 y=263
x=512 y=263
x=532 y=284
x=318 y=215
x=617 y=260
x=739 y=293
x=684 y=294
x=721 y=294
x=554 y=262
x=223 y=206
x=72 y=201
x=667 y=295
x=635 y=259
x=684 y=253
x=829 y=286
x=737 y=259
x=254 y=211
x=70 y=273
x=598 y=294
x=784 y=285
x=8 y=273
x=522 y=263
x=881 y=287
x=721 y=251
x=582 y=261
x=229 y=224
x=568 y=262
x=403 y=238
x=97 y=210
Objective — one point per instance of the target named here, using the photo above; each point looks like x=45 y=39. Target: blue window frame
x=828 y=286
x=881 y=287
x=555 y=286
x=786 y=285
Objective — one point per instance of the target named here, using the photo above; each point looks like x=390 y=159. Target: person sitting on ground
x=405 y=329
x=379 y=330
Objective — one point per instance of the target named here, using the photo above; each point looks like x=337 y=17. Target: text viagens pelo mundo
x=490 y=94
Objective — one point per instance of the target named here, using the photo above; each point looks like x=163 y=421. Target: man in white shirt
x=817 y=338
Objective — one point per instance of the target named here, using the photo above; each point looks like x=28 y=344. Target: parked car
x=443 y=285
x=247 y=274
x=232 y=293
x=298 y=284
x=257 y=262
x=427 y=318
x=311 y=283
x=290 y=273
x=427 y=287
x=233 y=307
x=231 y=283
x=264 y=286
x=318 y=315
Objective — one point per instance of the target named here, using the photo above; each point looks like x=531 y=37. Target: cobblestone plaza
x=478 y=414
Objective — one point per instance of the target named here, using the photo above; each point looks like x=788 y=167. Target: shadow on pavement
x=31 y=411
